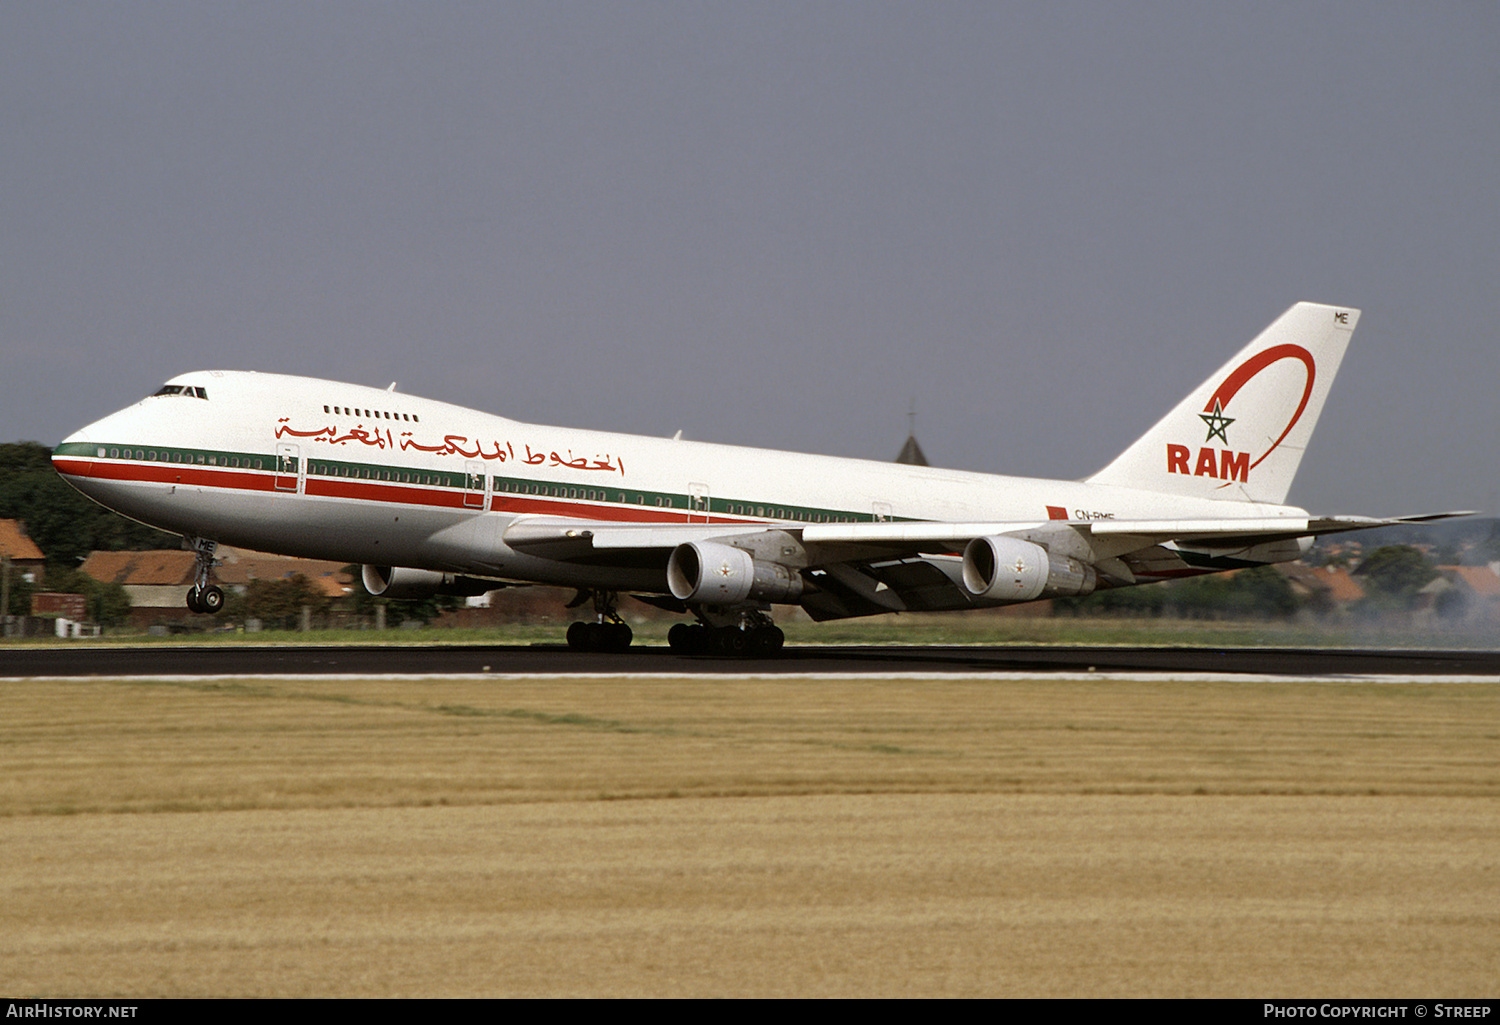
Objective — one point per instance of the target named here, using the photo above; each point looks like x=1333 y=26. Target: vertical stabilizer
x=1241 y=434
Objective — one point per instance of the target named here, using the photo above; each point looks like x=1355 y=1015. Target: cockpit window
x=188 y=390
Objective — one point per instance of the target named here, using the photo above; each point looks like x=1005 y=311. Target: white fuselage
x=335 y=471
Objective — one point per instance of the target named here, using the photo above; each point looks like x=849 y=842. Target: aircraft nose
x=74 y=454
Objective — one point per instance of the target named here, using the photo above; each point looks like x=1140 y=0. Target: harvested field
x=749 y=837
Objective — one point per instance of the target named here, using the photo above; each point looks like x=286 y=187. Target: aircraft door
x=289 y=469
x=697 y=503
x=474 y=485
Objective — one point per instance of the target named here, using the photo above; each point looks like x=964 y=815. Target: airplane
x=432 y=498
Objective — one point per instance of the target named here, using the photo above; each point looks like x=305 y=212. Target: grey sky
x=773 y=224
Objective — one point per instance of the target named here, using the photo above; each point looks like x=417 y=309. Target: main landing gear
x=735 y=631
x=608 y=632
x=202 y=596
x=738 y=634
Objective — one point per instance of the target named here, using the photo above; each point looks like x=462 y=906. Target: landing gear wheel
x=689 y=639
x=762 y=640
x=766 y=641
x=618 y=636
x=203 y=597
x=594 y=636
x=599 y=636
x=205 y=600
x=731 y=641
x=608 y=632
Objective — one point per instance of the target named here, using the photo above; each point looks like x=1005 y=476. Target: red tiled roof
x=15 y=543
x=1342 y=587
x=140 y=568
x=328 y=578
x=238 y=569
x=1481 y=580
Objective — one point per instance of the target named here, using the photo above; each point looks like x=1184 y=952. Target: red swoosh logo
x=1254 y=365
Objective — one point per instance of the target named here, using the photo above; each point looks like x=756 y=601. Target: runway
x=545 y=659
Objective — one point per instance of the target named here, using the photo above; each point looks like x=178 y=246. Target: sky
x=775 y=224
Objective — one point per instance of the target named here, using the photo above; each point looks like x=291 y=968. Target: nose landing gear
x=202 y=596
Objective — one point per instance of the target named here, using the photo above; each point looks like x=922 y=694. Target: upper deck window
x=373 y=414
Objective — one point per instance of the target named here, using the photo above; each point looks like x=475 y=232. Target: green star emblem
x=1217 y=423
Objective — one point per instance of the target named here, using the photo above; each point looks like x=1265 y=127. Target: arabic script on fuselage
x=452 y=445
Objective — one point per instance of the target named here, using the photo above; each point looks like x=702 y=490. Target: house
x=1466 y=594
x=1324 y=588
x=241 y=567
x=157 y=582
x=26 y=559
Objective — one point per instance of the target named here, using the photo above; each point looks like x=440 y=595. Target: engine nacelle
x=400 y=582
x=716 y=574
x=1009 y=569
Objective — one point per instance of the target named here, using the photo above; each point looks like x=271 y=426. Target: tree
x=1489 y=547
x=1260 y=592
x=108 y=603
x=399 y=610
x=65 y=525
x=1395 y=574
x=279 y=602
x=20 y=590
x=1131 y=602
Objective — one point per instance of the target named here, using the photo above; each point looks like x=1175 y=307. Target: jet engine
x=718 y=574
x=400 y=582
x=1009 y=569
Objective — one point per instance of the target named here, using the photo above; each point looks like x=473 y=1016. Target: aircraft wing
x=867 y=568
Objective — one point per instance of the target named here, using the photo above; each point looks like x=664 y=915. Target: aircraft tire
x=731 y=641
x=599 y=636
x=211 y=600
x=689 y=639
x=595 y=637
x=617 y=637
x=193 y=602
x=766 y=641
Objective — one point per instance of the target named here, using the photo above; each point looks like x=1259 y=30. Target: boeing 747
x=435 y=498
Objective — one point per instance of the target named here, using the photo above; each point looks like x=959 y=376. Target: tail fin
x=1241 y=434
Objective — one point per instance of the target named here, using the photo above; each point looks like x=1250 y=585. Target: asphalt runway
x=376 y=660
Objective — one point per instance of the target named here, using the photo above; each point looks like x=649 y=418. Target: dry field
x=749 y=837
